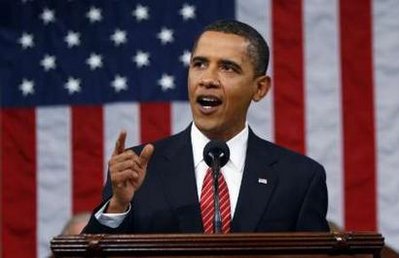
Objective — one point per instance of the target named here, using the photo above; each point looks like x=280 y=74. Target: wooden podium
x=343 y=244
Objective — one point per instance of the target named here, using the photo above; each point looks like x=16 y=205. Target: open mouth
x=209 y=101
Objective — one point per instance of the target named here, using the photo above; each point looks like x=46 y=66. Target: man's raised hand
x=127 y=170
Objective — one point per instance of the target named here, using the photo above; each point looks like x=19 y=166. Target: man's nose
x=210 y=79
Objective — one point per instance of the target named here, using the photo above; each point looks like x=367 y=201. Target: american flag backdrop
x=74 y=73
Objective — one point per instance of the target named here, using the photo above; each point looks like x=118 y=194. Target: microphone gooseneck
x=216 y=155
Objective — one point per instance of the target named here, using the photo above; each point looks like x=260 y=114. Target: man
x=159 y=188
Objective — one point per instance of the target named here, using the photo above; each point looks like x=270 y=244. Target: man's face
x=222 y=84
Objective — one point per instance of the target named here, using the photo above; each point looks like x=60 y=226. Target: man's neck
x=225 y=136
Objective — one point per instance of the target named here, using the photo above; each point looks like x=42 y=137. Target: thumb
x=145 y=155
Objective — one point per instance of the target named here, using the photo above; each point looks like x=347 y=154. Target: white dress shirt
x=232 y=171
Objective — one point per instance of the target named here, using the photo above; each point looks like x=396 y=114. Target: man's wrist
x=112 y=220
x=116 y=207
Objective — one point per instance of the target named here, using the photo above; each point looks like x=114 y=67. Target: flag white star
x=94 y=14
x=119 y=83
x=185 y=58
x=27 y=87
x=166 y=36
x=72 y=39
x=72 y=85
x=48 y=62
x=119 y=37
x=141 y=13
x=26 y=40
x=187 y=11
x=47 y=16
x=166 y=82
x=141 y=59
x=94 y=61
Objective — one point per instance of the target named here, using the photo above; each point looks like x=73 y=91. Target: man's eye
x=198 y=64
x=228 y=68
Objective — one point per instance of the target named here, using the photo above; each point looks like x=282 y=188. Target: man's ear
x=263 y=84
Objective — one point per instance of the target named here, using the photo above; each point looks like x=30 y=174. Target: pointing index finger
x=120 y=143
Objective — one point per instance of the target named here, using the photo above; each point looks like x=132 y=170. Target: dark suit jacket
x=293 y=199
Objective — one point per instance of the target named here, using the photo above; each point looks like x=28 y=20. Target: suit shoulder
x=166 y=142
x=288 y=157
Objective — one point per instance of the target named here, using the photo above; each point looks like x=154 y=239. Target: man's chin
x=204 y=126
x=209 y=128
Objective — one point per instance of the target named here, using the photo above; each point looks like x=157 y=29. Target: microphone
x=216 y=155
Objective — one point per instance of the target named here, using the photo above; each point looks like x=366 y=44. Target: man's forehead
x=212 y=35
x=219 y=41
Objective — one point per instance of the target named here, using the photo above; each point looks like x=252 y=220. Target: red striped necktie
x=207 y=203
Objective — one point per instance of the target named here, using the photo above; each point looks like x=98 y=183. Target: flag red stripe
x=288 y=74
x=358 y=115
x=155 y=121
x=87 y=157
x=18 y=189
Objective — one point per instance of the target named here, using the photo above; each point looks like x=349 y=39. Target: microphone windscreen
x=216 y=149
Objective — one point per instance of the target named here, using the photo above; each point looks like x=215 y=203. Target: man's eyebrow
x=199 y=58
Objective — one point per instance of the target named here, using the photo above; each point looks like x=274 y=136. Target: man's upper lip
x=209 y=100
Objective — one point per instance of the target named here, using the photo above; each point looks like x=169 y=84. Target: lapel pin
x=262 y=181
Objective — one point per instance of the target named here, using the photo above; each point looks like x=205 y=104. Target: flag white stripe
x=386 y=64
x=180 y=116
x=258 y=15
x=323 y=97
x=117 y=117
x=54 y=175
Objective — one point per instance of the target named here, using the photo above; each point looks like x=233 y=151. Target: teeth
x=208 y=101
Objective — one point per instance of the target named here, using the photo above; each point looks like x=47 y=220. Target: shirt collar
x=237 y=146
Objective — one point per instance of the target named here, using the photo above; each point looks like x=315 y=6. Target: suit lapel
x=257 y=185
x=179 y=183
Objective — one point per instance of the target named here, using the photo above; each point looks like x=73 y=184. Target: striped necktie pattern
x=207 y=203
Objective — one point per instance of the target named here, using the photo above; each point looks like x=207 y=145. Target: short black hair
x=258 y=50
